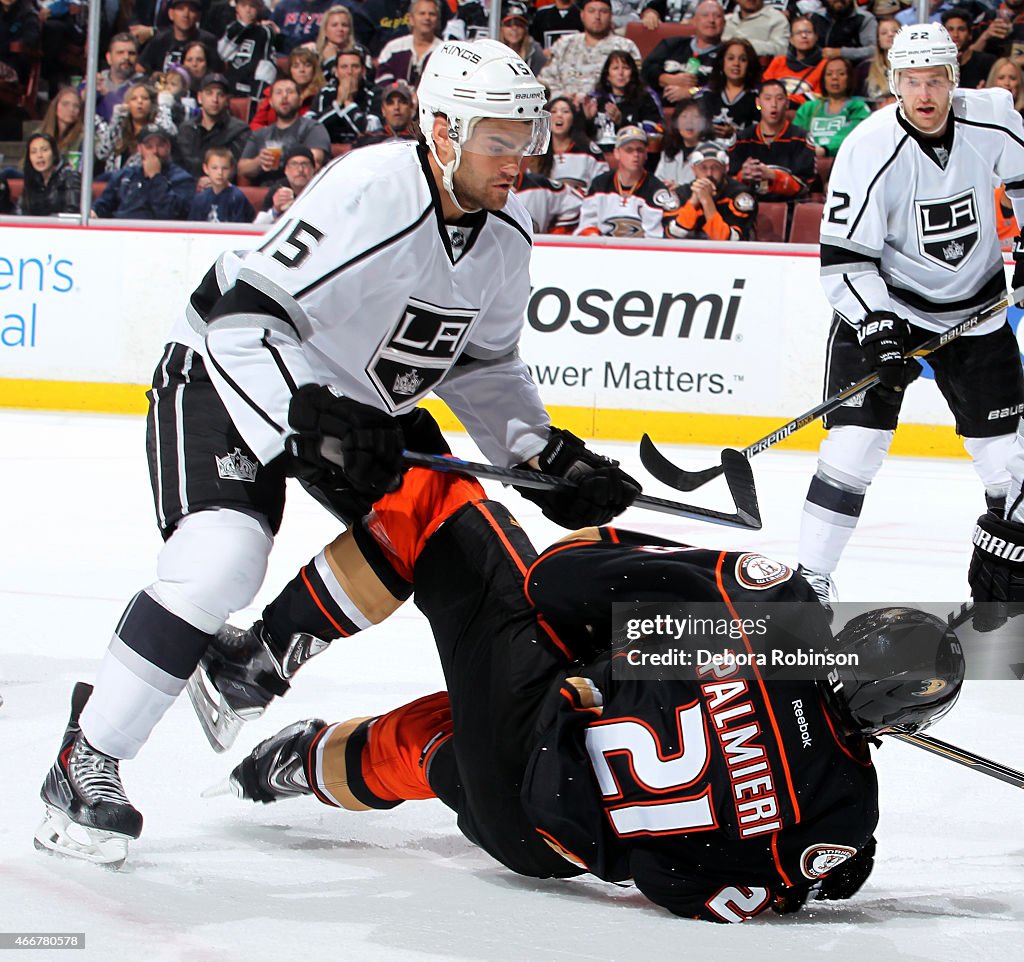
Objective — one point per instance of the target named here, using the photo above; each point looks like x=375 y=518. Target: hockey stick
x=962 y=757
x=675 y=477
x=736 y=469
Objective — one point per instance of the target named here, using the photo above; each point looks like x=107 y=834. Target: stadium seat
x=338 y=149
x=806 y=226
x=256 y=196
x=646 y=40
x=239 y=107
x=771 y=222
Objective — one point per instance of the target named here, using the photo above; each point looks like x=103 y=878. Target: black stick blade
x=740 y=478
x=663 y=470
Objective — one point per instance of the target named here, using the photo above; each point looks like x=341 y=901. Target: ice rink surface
x=220 y=879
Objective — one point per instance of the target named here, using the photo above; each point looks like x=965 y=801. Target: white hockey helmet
x=922 y=45
x=467 y=81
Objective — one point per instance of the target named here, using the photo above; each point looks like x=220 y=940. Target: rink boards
x=694 y=343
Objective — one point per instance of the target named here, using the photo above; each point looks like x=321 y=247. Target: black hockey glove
x=338 y=432
x=882 y=338
x=1018 y=266
x=996 y=574
x=601 y=489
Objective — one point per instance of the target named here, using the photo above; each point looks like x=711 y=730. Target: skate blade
x=226 y=787
x=60 y=835
x=219 y=722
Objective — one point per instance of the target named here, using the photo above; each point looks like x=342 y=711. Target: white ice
x=221 y=879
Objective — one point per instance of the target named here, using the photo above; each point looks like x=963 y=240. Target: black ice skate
x=88 y=815
x=240 y=674
x=276 y=768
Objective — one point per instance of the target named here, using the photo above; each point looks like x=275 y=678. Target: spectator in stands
x=1003 y=32
x=1006 y=73
x=63 y=122
x=155 y=188
x=378 y=21
x=845 y=31
x=122 y=59
x=687 y=130
x=576 y=60
x=304 y=68
x=12 y=113
x=298 y=21
x=872 y=75
x=713 y=206
x=767 y=28
x=299 y=168
x=64 y=31
x=403 y=57
x=195 y=61
x=261 y=157
x=773 y=157
x=656 y=12
x=337 y=33
x=168 y=46
x=555 y=21
x=515 y=34
x=630 y=202
x=801 y=67
x=346 y=108
x=679 y=66
x=220 y=201
x=215 y=127
x=974 y=66
x=729 y=101
x=247 y=50
x=117 y=142
x=6 y=204
x=553 y=205
x=620 y=99
x=396 y=107
x=174 y=84
x=19 y=35
x=577 y=160
x=829 y=121
x=51 y=186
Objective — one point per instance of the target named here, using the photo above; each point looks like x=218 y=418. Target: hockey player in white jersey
x=403 y=269
x=909 y=248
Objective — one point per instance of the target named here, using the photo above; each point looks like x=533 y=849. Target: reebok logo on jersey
x=819 y=860
x=948 y=229
x=801 y=723
x=416 y=354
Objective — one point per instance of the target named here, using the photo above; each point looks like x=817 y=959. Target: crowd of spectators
x=223 y=110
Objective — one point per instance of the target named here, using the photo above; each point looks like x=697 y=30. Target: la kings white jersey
x=359 y=288
x=909 y=224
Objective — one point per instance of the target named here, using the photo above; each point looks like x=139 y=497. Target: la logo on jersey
x=417 y=352
x=948 y=228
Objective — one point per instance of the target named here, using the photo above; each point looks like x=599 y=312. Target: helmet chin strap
x=448 y=170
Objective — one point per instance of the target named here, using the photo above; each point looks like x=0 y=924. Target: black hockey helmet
x=908 y=671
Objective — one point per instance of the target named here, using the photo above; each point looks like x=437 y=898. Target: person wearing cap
x=514 y=33
x=403 y=57
x=261 y=157
x=154 y=189
x=345 y=108
x=214 y=127
x=713 y=206
x=168 y=46
x=628 y=202
x=299 y=167
x=396 y=108
x=576 y=60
